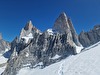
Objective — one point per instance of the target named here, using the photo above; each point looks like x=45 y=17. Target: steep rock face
x=34 y=47
x=29 y=28
x=4 y=45
x=14 y=43
x=91 y=37
x=0 y=36
x=42 y=50
x=64 y=25
x=61 y=24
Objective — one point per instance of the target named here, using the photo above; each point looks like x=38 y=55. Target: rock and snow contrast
x=3 y=62
x=50 y=31
x=27 y=37
x=4 y=47
x=57 y=51
x=85 y=63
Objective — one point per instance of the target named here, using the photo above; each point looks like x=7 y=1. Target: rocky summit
x=0 y=36
x=91 y=37
x=36 y=49
x=4 y=45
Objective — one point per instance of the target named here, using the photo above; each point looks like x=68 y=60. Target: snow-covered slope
x=3 y=62
x=85 y=63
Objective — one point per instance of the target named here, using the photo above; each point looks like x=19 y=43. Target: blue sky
x=15 y=13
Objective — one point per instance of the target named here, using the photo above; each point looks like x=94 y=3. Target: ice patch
x=27 y=37
x=56 y=56
x=26 y=65
x=27 y=54
x=30 y=35
x=39 y=65
x=6 y=49
x=78 y=49
x=50 y=31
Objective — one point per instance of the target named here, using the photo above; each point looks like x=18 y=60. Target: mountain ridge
x=33 y=47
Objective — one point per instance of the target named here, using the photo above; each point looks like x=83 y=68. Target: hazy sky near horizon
x=14 y=14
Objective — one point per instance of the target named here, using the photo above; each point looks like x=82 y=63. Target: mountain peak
x=30 y=22
x=61 y=24
x=0 y=36
x=63 y=14
x=29 y=26
x=96 y=27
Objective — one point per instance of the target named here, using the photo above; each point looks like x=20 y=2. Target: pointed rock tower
x=29 y=28
x=74 y=34
x=63 y=25
x=0 y=36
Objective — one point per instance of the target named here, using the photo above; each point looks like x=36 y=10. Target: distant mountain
x=4 y=45
x=64 y=25
x=91 y=37
x=36 y=49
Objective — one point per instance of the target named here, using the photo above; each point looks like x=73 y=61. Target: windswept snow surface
x=2 y=69
x=85 y=63
x=3 y=61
